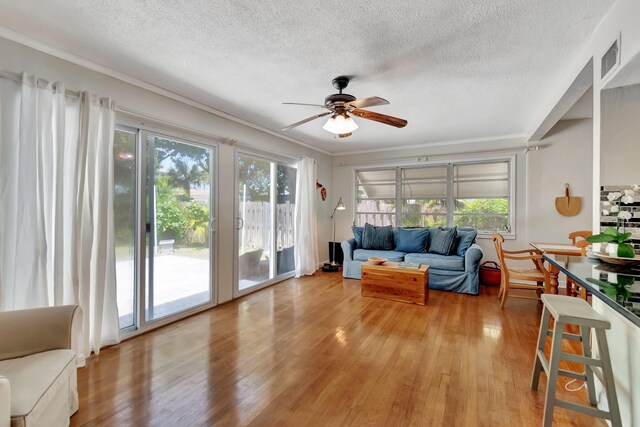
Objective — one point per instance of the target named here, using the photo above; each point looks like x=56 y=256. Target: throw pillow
x=378 y=238
x=465 y=238
x=357 y=234
x=442 y=241
x=412 y=240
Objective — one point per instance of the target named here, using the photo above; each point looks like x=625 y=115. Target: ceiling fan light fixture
x=341 y=105
x=341 y=125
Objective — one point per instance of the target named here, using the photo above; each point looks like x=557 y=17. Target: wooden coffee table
x=388 y=281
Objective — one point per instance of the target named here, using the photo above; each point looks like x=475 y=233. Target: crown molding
x=433 y=144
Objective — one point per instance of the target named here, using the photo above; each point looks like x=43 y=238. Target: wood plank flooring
x=313 y=352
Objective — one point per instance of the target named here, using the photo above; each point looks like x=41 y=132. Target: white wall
x=344 y=166
x=620 y=136
x=15 y=57
x=565 y=158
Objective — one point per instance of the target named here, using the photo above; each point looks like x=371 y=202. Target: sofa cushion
x=40 y=383
x=442 y=241
x=365 y=254
x=412 y=240
x=464 y=239
x=357 y=234
x=442 y=262
x=378 y=238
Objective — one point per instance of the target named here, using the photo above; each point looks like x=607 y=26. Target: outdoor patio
x=181 y=281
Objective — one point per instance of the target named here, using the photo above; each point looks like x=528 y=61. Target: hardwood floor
x=312 y=351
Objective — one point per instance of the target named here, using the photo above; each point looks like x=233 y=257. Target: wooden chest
x=387 y=281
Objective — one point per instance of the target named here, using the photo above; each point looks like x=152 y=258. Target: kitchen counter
x=616 y=295
x=617 y=286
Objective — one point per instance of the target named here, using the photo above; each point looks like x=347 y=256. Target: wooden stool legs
x=552 y=369
x=608 y=380
x=542 y=338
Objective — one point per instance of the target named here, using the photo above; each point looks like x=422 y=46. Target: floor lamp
x=333 y=266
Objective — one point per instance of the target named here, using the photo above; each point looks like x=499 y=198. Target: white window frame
x=485 y=234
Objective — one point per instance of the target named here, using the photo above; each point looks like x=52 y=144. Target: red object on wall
x=323 y=194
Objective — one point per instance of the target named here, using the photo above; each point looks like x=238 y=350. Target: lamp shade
x=340 y=124
x=340 y=205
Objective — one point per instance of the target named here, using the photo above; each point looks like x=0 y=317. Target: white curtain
x=306 y=236
x=56 y=205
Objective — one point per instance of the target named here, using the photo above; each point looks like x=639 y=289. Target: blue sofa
x=446 y=272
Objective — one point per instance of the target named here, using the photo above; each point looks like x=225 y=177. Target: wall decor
x=323 y=191
x=568 y=205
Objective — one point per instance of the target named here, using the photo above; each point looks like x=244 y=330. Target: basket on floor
x=490 y=273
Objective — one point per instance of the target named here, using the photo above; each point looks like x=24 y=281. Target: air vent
x=610 y=60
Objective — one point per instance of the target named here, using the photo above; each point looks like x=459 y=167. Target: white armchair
x=38 y=384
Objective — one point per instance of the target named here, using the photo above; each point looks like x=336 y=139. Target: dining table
x=559 y=250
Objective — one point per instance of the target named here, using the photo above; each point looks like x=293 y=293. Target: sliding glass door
x=255 y=231
x=125 y=146
x=285 y=217
x=179 y=218
x=164 y=216
x=265 y=220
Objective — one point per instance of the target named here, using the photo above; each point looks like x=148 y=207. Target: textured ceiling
x=455 y=69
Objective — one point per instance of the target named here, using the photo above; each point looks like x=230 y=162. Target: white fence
x=256 y=231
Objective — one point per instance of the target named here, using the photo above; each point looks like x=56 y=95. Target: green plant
x=484 y=214
x=618 y=289
x=170 y=218
x=196 y=222
x=613 y=235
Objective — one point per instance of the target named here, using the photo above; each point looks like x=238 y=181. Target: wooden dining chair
x=578 y=239
x=579 y=235
x=582 y=244
x=538 y=276
x=574 y=289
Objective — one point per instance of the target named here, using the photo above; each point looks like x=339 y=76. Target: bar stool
x=574 y=311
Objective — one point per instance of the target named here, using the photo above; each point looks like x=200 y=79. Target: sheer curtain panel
x=56 y=205
x=306 y=236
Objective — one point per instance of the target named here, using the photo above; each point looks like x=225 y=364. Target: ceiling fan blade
x=308 y=119
x=382 y=118
x=367 y=102
x=307 y=105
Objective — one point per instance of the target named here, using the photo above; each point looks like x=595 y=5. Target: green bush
x=495 y=211
x=196 y=222
x=170 y=218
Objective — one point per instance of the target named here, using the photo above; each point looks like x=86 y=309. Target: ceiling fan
x=341 y=106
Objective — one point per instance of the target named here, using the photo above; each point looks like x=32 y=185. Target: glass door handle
x=212 y=224
x=148 y=227
x=240 y=224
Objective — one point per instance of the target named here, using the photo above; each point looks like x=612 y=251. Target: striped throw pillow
x=378 y=238
x=442 y=241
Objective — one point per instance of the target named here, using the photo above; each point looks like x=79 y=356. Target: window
x=481 y=196
x=474 y=195
x=424 y=197
x=376 y=197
